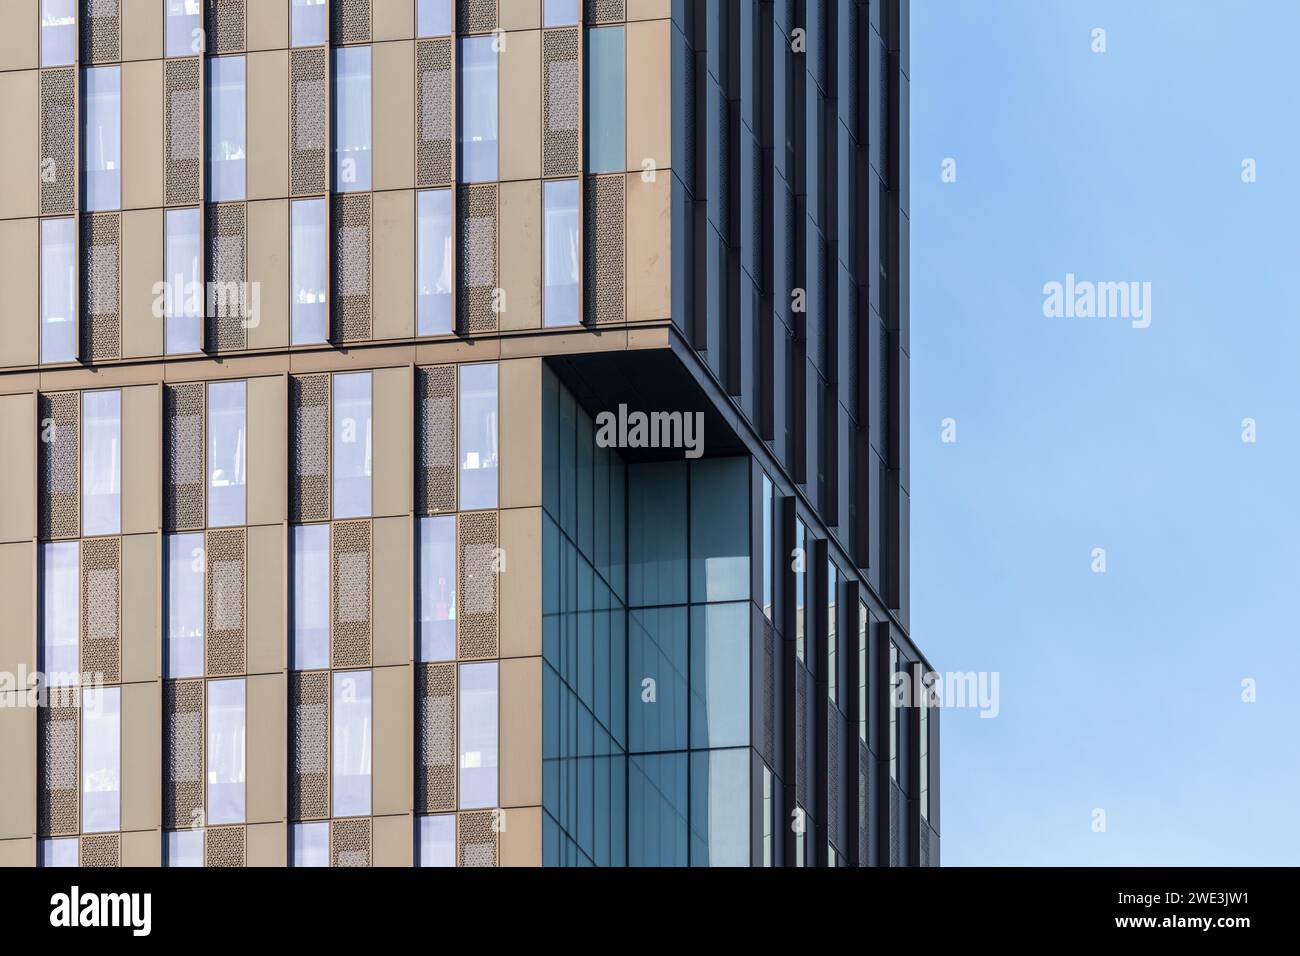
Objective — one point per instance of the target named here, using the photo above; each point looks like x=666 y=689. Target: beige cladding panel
x=17 y=790
x=143 y=267
x=392 y=19
x=268 y=426
x=520 y=15
x=392 y=443
x=268 y=124
x=141 y=756
x=649 y=9
x=267 y=845
x=20 y=279
x=393 y=744
x=521 y=732
x=18 y=434
x=19 y=35
x=268 y=272
x=393 y=99
x=521 y=840
x=16 y=853
x=142 y=29
x=18 y=600
x=141 y=632
x=649 y=248
x=141 y=459
x=393 y=612
x=394 y=844
x=520 y=91
x=267 y=748
x=521 y=582
x=521 y=254
x=143 y=848
x=394 y=265
x=19 y=165
x=266 y=599
x=520 y=410
x=649 y=105
x=142 y=134
x=268 y=24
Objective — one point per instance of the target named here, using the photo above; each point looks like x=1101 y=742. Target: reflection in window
x=60 y=852
x=606 y=106
x=478 y=437
x=433 y=18
x=832 y=635
x=562 y=256
x=101 y=463
x=800 y=587
x=183 y=655
x=182 y=848
x=58 y=35
x=893 y=712
x=101 y=138
x=657 y=534
x=101 y=759
x=226 y=128
x=769 y=819
x=309 y=844
x=720 y=808
x=227 y=454
x=58 y=290
x=437 y=580
x=352 y=445
x=924 y=757
x=434 y=281
x=560 y=13
x=309 y=249
x=720 y=567
x=862 y=670
x=60 y=628
x=478 y=110
x=182 y=303
x=720 y=675
x=310 y=610
x=307 y=25
x=656 y=810
x=184 y=27
x=352 y=119
x=436 y=840
x=768 y=557
x=352 y=743
x=477 y=735
x=225 y=766
x=657 y=649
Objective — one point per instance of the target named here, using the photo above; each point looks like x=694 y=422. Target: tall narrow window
x=769 y=822
x=227 y=453
x=800 y=587
x=184 y=289
x=310 y=251
x=226 y=745
x=606 y=117
x=893 y=711
x=477 y=736
x=101 y=463
x=309 y=844
x=832 y=635
x=184 y=27
x=183 y=652
x=768 y=558
x=436 y=242
x=478 y=110
x=183 y=848
x=61 y=852
x=58 y=34
x=433 y=18
x=563 y=253
x=862 y=671
x=436 y=840
x=560 y=13
x=307 y=24
x=101 y=759
x=101 y=138
x=478 y=437
x=58 y=290
x=352 y=744
x=352 y=119
x=437 y=571
x=227 y=111
x=310 y=610
x=924 y=756
x=60 y=627
x=352 y=437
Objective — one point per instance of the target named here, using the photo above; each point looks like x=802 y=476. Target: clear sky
x=1120 y=691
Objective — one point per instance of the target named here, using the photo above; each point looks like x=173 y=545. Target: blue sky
x=1120 y=691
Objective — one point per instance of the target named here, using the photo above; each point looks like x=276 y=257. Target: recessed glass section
x=60 y=627
x=352 y=743
x=606 y=117
x=101 y=138
x=307 y=23
x=657 y=679
x=656 y=810
x=58 y=36
x=227 y=124
x=862 y=671
x=437 y=581
x=226 y=748
x=477 y=736
x=435 y=840
x=184 y=28
x=101 y=759
x=769 y=819
x=561 y=13
x=562 y=256
x=227 y=453
x=58 y=290
x=657 y=534
x=478 y=437
x=436 y=255
x=183 y=293
x=924 y=759
x=101 y=463
x=352 y=119
x=183 y=656
x=183 y=848
x=433 y=18
x=893 y=712
x=720 y=808
x=768 y=557
x=832 y=635
x=309 y=248
x=352 y=445
x=310 y=610
x=800 y=559
x=720 y=567
x=478 y=110
x=309 y=844
x=60 y=852
x=720 y=675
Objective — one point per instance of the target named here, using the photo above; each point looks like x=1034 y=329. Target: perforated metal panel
x=801 y=736
x=101 y=295
x=350 y=561
x=476 y=16
x=896 y=829
x=101 y=31
x=224 y=847
x=227 y=262
x=183 y=137
x=225 y=566
x=101 y=851
x=478 y=257
x=101 y=614
x=309 y=491
x=834 y=773
x=350 y=22
x=225 y=26
x=866 y=804
x=435 y=475
x=767 y=682
x=58 y=172
x=435 y=715
x=476 y=839
x=183 y=502
x=561 y=102
x=350 y=842
x=605 y=11
x=309 y=739
x=60 y=465
x=476 y=622
x=307 y=122
x=929 y=846
x=351 y=313
x=59 y=744
x=183 y=754
x=605 y=219
x=435 y=109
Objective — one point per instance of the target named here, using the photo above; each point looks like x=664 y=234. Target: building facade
x=457 y=433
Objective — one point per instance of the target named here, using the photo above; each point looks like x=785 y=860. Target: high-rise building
x=456 y=433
